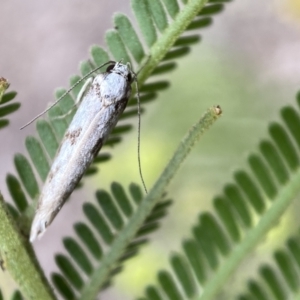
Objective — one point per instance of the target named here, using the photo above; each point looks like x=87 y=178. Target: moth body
x=99 y=111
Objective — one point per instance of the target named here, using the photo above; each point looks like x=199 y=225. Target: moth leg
x=79 y=98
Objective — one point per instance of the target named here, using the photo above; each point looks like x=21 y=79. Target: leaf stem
x=127 y=234
x=169 y=37
x=18 y=258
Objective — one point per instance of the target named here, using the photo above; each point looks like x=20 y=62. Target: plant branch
x=18 y=258
x=169 y=37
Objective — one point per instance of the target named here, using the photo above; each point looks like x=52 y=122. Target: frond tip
x=243 y=215
x=4 y=85
x=6 y=97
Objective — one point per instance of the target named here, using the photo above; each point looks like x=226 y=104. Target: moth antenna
x=139 y=134
x=66 y=93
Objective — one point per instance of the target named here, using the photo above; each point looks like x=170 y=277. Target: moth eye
x=129 y=77
x=110 y=67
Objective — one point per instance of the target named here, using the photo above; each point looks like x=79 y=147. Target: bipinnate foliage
x=243 y=215
x=117 y=226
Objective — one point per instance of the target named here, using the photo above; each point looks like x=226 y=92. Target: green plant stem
x=127 y=234
x=169 y=37
x=18 y=258
x=254 y=236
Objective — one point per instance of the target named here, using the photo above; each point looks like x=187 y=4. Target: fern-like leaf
x=106 y=219
x=242 y=217
x=5 y=97
x=280 y=280
x=123 y=236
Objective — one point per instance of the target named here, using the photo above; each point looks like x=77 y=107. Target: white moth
x=99 y=111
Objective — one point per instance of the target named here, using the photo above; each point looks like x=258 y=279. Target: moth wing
x=50 y=200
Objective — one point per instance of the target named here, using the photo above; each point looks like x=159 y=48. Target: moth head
x=123 y=70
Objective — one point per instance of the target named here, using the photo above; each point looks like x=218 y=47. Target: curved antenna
x=67 y=92
x=139 y=135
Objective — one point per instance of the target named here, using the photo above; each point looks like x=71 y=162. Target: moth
x=102 y=102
